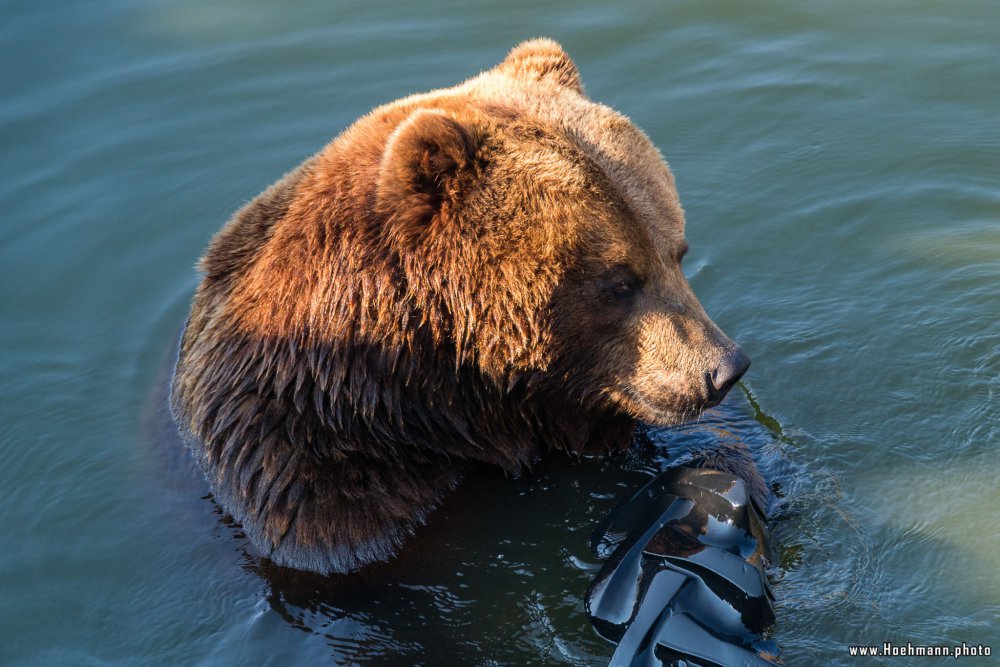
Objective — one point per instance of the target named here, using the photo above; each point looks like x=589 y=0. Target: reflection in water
x=685 y=578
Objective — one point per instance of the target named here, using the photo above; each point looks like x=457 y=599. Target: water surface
x=838 y=165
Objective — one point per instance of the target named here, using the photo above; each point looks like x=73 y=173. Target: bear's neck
x=366 y=400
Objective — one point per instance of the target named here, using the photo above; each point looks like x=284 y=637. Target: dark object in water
x=684 y=582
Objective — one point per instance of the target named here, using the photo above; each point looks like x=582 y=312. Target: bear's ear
x=428 y=162
x=542 y=59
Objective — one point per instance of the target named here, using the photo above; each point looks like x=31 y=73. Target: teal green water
x=840 y=167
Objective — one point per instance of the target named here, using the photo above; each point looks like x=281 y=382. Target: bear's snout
x=726 y=374
x=683 y=365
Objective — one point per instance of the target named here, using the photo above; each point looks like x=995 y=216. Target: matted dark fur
x=473 y=275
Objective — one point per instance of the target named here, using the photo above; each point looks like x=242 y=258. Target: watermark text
x=941 y=650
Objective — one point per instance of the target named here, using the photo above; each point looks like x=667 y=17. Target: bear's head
x=467 y=275
x=545 y=232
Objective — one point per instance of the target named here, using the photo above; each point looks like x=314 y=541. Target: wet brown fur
x=434 y=289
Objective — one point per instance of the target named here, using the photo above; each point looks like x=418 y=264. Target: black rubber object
x=684 y=581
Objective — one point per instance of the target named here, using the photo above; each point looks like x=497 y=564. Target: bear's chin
x=674 y=412
x=661 y=418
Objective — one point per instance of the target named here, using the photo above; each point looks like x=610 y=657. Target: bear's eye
x=622 y=283
x=624 y=287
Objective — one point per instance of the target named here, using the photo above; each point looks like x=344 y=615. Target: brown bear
x=471 y=275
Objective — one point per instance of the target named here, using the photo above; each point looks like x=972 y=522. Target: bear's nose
x=722 y=379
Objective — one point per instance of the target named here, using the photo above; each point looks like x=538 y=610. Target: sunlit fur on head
x=436 y=288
